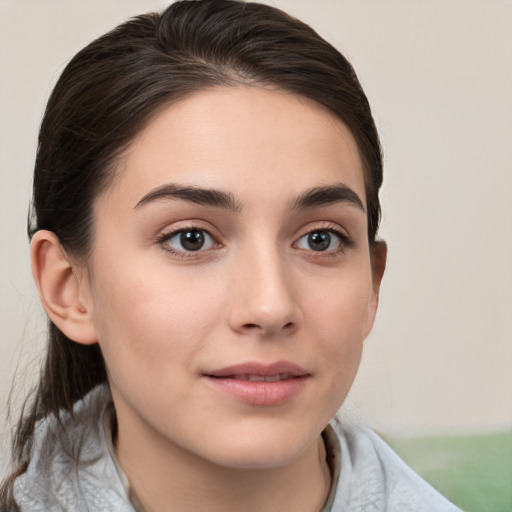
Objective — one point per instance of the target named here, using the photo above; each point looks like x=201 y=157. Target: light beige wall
x=439 y=78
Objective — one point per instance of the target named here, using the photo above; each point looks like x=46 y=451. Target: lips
x=280 y=368
x=261 y=378
x=259 y=384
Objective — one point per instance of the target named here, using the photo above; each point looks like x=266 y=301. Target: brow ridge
x=315 y=197
x=327 y=195
x=203 y=196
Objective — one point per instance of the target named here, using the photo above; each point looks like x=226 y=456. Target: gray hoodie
x=80 y=472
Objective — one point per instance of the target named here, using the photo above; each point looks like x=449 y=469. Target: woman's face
x=230 y=284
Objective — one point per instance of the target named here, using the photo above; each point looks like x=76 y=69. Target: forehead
x=249 y=140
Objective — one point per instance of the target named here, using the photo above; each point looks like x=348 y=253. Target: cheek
x=145 y=317
x=341 y=309
x=340 y=315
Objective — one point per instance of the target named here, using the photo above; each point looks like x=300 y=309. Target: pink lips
x=260 y=384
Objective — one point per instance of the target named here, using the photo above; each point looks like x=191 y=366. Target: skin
x=256 y=291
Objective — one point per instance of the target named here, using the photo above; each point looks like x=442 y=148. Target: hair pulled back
x=111 y=89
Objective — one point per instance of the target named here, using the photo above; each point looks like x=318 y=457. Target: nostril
x=252 y=326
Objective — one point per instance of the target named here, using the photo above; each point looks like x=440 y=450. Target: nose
x=263 y=296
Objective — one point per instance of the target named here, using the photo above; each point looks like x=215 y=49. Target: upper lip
x=260 y=369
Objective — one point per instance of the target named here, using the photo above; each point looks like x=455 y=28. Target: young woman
x=204 y=242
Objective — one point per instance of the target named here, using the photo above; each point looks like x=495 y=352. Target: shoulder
x=70 y=467
x=373 y=478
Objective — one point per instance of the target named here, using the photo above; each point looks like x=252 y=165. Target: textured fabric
x=79 y=472
x=374 y=479
x=75 y=472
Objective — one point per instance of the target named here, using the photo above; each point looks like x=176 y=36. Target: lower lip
x=259 y=392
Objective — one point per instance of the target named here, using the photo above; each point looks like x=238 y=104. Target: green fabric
x=474 y=472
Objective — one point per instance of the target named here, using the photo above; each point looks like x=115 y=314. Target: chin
x=260 y=451
x=257 y=461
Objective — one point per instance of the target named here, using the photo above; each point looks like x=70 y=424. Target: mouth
x=259 y=378
x=259 y=384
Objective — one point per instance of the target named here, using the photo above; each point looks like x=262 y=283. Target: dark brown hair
x=106 y=95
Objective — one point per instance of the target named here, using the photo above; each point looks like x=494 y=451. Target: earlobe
x=60 y=289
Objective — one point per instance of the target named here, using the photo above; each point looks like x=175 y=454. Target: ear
x=378 y=256
x=61 y=290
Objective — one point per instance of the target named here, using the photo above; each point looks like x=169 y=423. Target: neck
x=166 y=478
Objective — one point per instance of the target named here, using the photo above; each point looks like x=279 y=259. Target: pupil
x=192 y=240
x=319 y=241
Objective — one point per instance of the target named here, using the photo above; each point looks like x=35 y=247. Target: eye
x=321 y=240
x=188 y=240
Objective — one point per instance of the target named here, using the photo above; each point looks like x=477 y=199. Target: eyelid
x=345 y=240
x=192 y=225
x=208 y=240
x=332 y=227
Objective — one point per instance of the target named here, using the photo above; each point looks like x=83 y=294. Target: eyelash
x=165 y=237
x=345 y=241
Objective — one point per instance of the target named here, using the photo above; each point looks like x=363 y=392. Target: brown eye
x=320 y=241
x=190 y=240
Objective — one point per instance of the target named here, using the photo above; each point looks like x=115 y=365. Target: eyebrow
x=328 y=195
x=315 y=197
x=203 y=196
